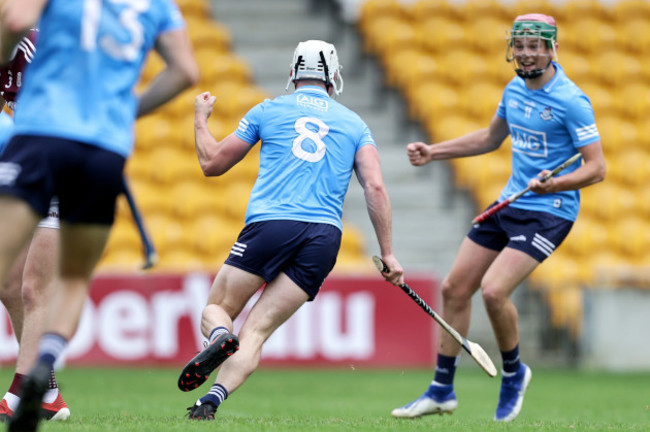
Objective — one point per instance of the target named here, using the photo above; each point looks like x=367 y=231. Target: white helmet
x=315 y=59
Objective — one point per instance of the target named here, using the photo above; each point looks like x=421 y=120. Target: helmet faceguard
x=537 y=27
x=316 y=60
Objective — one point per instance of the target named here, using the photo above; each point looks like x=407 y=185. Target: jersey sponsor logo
x=557 y=202
x=238 y=249
x=546 y=114
x=9 y=171
x=587 y=132
x=527 y=141
x=543 y=244
x=312 y=102
x=518 y=238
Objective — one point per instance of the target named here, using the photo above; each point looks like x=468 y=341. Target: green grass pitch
x=348 y=400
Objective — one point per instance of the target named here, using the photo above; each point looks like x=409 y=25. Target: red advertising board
x=154 y=319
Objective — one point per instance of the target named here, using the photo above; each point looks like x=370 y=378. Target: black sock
x=445 y=369
x=511 y=361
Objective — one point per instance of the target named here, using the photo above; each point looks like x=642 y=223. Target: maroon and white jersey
x=11 y=76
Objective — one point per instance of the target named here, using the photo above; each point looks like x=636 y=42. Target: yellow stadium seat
x=425 y=9
x=213 y=234
x=373 y=10
x=576 y=64
x=138 y=166
x=387 y=35
x=587 y=235
x=632 y=33
x=631 y=236
x=150 y=198
x=235 y=99
x=487 y=33
x=616 y=133
x=463 y=66
x=194 y=8
x=120 y=261
x=450 y=126
x=603 y=98
x=441 y=35
x=209 y=35
x=630 y=168
x=627 y=10
x=352 y=241
x=473 y=10
x=635 y=100
x=237 y=196
x=431 y=100
x=411 y=68
x=223 y=66
x=577 y=10
x=181 y=259
x=615 y=68
x=546 y=7
x=480 y=100
x=608 y=202
x=168 y=162
x=592 y=36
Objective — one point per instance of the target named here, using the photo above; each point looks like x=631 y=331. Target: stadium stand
x=447 y=69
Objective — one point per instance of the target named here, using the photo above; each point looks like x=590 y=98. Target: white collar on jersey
x=312 y=88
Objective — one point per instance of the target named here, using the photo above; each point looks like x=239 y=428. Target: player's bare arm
x=591 y=172
x=471 y=144
x=180 y=73
x=368 y=170
x=215 y=157
x=17 y=17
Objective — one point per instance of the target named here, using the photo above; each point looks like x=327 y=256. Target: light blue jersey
x=309 y=142
x=88 y=59
x=6 y=127
x=547 y=126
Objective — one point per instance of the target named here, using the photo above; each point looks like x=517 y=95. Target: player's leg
x=17 y=224
x=87 y=180
x=81 y=247
x=509 y=269
x=279 y=300
x=11 y=297
x=40 y=280
x=530 y=243
x=457 y=289
x=231 y=290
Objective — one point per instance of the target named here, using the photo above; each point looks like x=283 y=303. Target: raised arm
x=215 y=157
x=368 y=170
x=181 y=71
x=471 y=144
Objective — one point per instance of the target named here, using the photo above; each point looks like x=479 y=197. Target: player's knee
x=10 y=292
x=493 y=298
x=453 y=294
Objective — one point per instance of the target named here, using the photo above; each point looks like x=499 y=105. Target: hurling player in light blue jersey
x=32 y=280
x=310 y=145
x=73 y=133
x=549 y=119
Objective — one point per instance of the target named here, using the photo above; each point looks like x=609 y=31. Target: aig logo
x=312 y=102
x=528 y=141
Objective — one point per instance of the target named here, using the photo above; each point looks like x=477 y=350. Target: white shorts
x=52 y=219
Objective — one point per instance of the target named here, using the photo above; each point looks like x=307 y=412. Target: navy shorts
x=535 y=233
x=85 y=178
x=304 y=251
